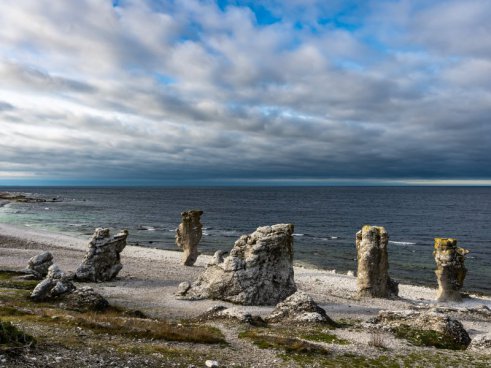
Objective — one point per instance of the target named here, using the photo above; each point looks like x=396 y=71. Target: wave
x=401 y=242
x=298 y=234
x=147 y=228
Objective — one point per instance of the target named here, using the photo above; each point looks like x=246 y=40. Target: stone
x=102 y=261
x=373 y=263
x=211 y=363
x=481 y=342
x=258 y=270
x=55 y=285
x=85 y=299
x=218 y=257
x=299 y=308
x=183 y=288
x=38 y=265
x=449 y=331
x=220 y=312
x=188 y=235
x=450 y=270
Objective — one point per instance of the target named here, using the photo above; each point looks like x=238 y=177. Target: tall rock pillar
x=188 y=235
x=373 y=263
x=450 y=271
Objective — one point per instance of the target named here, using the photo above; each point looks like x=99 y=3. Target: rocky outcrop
x=425 y=328
x=299 y=308
x=22 y=198
x=85 y=299
x=373 y=263
x=450 y=271
x=55 y=285
x=481 y=343
x=102 y=261
x=220 y=312
x=188 y=235
x=258 y=270
x=37 y=267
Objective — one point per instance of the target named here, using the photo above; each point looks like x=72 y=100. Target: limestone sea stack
x=450 y=271
x=373 y=263
x=102 y=261
x=188 y=235
x=55 y=284
x=258 y=270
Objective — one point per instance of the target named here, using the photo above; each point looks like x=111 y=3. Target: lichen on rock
x=299 y=308
x=188 y=236
x=102 y=261
x=258 y=270
x=450 y=270
x=38 y=266
x=373 y=263
x=55 y=284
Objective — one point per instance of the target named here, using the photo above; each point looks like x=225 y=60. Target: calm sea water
x=326 y=220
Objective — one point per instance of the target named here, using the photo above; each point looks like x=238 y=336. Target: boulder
x=258 y=270
x=299 y=308
x=102 y=261
x=188 y=235
x=220 y=312
x=55 y=285
x=450 y=271
x=38 y=265
x=429 y=328
x=85 y=299
x=373 y=263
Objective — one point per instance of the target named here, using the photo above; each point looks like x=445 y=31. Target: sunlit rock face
x=373 y=263
x=188 y=235
x=55 y=284
x=450 y=271
x=102 y=261
x=258 y=270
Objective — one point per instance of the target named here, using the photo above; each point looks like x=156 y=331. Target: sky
x=140 y=92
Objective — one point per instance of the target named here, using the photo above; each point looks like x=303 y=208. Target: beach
x=150 y=277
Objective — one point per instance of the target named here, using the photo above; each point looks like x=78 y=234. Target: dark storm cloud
x=184 y=90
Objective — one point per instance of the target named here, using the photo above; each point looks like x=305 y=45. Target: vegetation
x=427 y=338
x=13 y=339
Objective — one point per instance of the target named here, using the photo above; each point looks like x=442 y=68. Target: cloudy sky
x=273 y=91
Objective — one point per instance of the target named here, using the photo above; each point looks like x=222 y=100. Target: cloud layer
x=158 y=91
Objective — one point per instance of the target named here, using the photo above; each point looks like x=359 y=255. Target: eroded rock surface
x=450 y=271
x=481 y=342
x=38 y=266
x=102 y=261
x=448 y=331
x=299 y=308
x=373 y=263
x=220 y=312
x=188 y=235
x=85 y=299
x=258 y=270
x=55 y=284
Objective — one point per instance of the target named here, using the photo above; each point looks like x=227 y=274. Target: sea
x=326 y=220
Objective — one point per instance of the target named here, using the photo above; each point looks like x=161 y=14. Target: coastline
x=150 y=267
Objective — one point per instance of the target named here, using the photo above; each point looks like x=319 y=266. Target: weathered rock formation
x=102 y=261
x=85 y=299
x=55 y=284
x=299 y=308
x=258 y=270
x=373 y=263
x=481 y=342
x=450 y=271
x=220 y=312
x=430 y=327
x=38 y=266
x=188 y=235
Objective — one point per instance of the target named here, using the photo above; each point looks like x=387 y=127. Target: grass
x=324 y=336
x=427 y=338
x=286 y=344
x=12 y=339
x=377 y=341
x=8 y=280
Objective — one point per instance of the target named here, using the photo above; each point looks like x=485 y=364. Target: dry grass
x=377 y=341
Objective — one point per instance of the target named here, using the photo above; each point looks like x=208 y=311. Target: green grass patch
x=12 y=339
x=427 y=338
x=8 y=279
x=287 y=344
x=324 y=336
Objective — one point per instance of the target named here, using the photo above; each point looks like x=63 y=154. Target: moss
x=9 y=279
x=322 y=336
x=427 y=338
x=287 y=344
x=12 y=338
